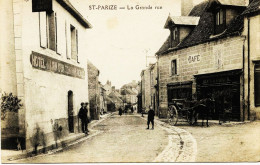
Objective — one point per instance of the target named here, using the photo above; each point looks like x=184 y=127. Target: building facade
x=103 y=102
x=149 y=88
x=94 y=91
x=44 y=54
x=204 y=56
x=146 y=89
x=252 y=58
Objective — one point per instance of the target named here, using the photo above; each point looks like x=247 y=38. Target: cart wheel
x=172 y=115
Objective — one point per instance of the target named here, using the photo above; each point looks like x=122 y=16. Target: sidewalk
x=7 y=155
x=228 y=142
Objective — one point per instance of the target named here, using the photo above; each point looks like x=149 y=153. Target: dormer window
x=220 y=17
x=175 y=34
x=220 y=21
x=174 y=37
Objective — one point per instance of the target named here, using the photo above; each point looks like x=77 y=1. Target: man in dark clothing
x=120 y=111
x=151 y=115
x=83 y=115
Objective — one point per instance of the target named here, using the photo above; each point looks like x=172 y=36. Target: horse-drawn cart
x=188 y=110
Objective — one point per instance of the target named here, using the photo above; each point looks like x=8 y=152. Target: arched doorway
x=70 y=112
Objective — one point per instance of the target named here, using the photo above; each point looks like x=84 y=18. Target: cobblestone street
x=120 y=139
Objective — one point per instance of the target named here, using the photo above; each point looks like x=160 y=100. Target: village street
x=124 y=139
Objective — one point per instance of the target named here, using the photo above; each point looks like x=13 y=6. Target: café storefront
x=224 y=88
x=179 y=90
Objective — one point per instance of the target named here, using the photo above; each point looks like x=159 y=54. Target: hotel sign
x=41 y=5
x=43 y=62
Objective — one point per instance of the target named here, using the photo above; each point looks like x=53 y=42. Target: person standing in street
x=151 y=115
x=83 y=115
x=120 y=111
x=132 y=109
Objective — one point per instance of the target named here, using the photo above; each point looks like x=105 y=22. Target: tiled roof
x=108 y=99
x=182 y=20
x=232 y=2
x=204 y=31
x=126 y=91
x=253 y=7
x=114 y=97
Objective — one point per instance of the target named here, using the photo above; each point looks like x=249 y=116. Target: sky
x=120 y=40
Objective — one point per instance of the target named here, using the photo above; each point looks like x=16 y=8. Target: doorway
x=70 y=112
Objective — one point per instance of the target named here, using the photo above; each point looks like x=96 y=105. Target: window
x=257 y=85
x=43 y=27
x=220 y=22
x=173 y=67
x=52 y=31
x=220 y=17
x=175 y=35
x=74 y=43
x=48 y=30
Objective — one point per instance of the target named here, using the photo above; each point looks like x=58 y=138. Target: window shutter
x=257 y=85
x=61 y=39
x=68 y=40
x=77 y=46
x=177 y=66
x=43 y=29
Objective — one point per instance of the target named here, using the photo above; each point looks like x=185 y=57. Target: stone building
x=102 y=98
x=149 y=88
x=108 y=87
x=93 y=91
x=252 y=58
x=204 y=56
x=154 y=87
x=146 y=89
x=43 y=63
x=114 y=96
x=129 y=97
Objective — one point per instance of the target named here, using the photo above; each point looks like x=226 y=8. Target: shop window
x=220 y=21
x=257 y=85
x=174 y=67
x=74 y=43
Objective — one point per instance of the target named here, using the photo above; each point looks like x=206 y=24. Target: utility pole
x=146 y=56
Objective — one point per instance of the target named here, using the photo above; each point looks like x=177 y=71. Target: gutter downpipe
x=248 y=44
x=158 y=87
x=243 y=81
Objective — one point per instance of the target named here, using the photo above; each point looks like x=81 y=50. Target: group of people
x=83 y=115
x=120 y=110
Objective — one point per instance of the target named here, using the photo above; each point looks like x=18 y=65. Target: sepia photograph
x=129 y=81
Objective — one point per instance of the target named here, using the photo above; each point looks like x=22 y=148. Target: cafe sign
x=41 y=5
x=193 y=58
x=43 y=62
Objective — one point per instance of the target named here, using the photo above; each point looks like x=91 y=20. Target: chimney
x=186 y=7
x=113 y=88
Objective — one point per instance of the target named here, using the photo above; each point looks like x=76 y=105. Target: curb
x=68 y=142
x=182 y=147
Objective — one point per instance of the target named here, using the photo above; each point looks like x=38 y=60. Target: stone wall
x=253 y=112
x=215 y=56
x=93 y=90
